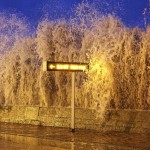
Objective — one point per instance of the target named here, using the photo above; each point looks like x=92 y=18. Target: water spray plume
x=146 y=14
x=119 y=60
x=12 y=28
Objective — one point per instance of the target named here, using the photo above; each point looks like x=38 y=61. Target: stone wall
x=116 y=120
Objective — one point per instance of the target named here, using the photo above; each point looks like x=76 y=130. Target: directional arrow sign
x=52 y=66
x=64 y=66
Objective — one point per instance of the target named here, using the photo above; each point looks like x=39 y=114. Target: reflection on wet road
x=22 y=137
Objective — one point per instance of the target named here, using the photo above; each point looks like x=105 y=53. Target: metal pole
x=72 y=145
x=73 y=103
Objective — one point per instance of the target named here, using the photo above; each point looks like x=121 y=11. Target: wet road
x=28 y=137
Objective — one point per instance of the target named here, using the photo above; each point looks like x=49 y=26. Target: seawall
x=129 y=121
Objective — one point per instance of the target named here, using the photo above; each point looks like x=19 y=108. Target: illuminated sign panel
x=64 y=66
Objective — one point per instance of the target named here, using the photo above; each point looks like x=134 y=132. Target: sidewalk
x=18 y=137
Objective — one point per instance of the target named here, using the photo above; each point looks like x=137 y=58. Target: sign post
x=73 y=103
x=72 y=67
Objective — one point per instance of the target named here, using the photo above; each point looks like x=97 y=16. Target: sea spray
x=118 y=57
x=13 y=27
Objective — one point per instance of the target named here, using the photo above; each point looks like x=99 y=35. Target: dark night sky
x=129 y=11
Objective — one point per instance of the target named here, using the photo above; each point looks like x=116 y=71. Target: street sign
x=64 y=66
x=67 y=66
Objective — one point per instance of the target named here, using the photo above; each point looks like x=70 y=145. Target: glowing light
x=64 y=66
x=52 y=66
x=78 y=67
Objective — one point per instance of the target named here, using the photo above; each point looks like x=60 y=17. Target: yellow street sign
x=64 y=66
